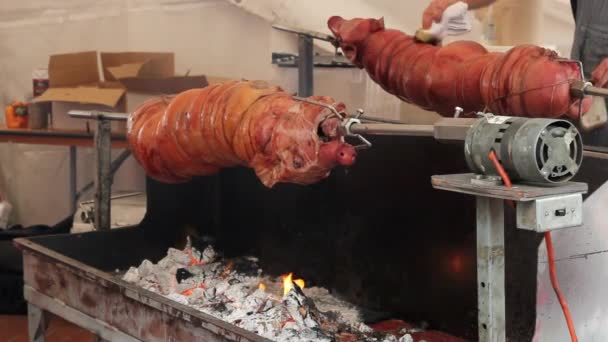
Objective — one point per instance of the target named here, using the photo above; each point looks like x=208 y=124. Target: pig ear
x=377 y=25
x=334 y=23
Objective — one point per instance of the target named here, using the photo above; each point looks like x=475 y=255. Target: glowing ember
x=188 y=292
x=262 y=287
x=193 y=260
x=288 y=283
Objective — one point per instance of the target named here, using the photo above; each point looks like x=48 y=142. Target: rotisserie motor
x=238 y=123
x=526 y=81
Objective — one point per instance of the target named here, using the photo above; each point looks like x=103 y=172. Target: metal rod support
x=116 y=164
x=305 y=66
x=392 y=129
x=86 y=114
x=103 y=177
x=591 y=90
x=491 y=269
x=73 y=178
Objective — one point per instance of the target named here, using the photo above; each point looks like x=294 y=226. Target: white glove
x=454 y=21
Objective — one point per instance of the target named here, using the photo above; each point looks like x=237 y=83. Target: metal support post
x=103 y=177
x=73 y=178
x=491 y=269
x=305 y=66
x=490 y=194
x=37 y=322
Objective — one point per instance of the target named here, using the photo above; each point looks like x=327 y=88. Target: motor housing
x=531 y=150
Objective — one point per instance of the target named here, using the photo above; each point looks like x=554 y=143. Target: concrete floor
x=14 y=329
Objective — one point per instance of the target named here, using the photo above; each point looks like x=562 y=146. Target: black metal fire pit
x=377 y=233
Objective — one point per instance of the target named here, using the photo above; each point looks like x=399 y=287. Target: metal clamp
x=339 y=115
x=346 y=121
x=345 y=130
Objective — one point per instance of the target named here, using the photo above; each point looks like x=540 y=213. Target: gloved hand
x=434 y=12
x=453 y=20
x=600 y=74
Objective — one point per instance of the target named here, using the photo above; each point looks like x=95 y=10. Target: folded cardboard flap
x=91 y=95
x=170 y=85
x=118 y=65
x=73 y=69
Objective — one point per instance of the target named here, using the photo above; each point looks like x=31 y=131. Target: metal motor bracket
x=533 y=202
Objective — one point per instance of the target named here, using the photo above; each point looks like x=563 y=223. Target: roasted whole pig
x=238 y=123
x=525 y=81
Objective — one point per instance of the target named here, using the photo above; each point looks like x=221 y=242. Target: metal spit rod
x=443 y=129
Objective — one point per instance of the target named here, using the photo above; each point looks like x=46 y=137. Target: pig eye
x=297 y=162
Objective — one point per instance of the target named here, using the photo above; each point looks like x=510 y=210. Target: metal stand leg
x=491 y=269
x=305 y=66
x=73 y=177
x=37 y=322
x=103 y=178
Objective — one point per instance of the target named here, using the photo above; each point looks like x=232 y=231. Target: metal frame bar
x=73 y=175
x=103 y=177
x=305 y=66
x=103 y=162
x=491 y=269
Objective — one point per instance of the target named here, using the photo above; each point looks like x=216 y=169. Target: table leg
x=37 y=322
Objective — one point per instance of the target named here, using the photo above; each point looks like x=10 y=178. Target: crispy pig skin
x=527 y=80
x=238 y=123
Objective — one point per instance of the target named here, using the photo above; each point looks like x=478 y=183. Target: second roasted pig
x=527 y=80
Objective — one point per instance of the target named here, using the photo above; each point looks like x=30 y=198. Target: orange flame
x=288 y=283
x=262 y=287
x=193 y=260
x=188 y=292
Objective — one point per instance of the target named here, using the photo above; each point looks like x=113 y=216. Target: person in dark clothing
x=590 y=44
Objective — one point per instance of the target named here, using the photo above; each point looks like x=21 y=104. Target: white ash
x=406 y=338
x=217 y=288
x=132 y=275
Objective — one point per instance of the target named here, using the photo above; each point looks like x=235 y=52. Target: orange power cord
x=550 y=254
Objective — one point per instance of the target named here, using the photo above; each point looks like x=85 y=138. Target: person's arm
x=435 y=9
x=599 y=75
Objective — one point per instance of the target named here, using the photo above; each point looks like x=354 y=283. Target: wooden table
x=59 y=137
x=56 y=137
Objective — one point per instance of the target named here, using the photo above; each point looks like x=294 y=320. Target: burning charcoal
x=247 y=266
x=179 y=256
x=146 y=267
x=221 y=287
x=197 y=295
x=205 y=270
x=237 y=293
x=132 y=275
x=406 y=338
x=178 y=298
x=301 y=309
x=182 y=274
x=303 y=335
x=210 y=293
x=209 y=255
x=166 y=282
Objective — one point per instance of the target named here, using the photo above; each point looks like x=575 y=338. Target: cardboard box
x=129 y=79
x=75 y=84
x=147 y=75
